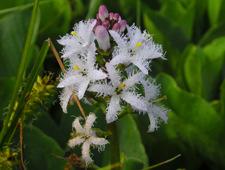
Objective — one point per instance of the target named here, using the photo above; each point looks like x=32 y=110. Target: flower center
x=120 y=87
x=138 y=44
x=73 y=33
x=76 y=67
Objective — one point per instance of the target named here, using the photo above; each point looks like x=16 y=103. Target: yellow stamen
x=74 y=33
x=138 y=44
x=121 y=86
x=76 y=67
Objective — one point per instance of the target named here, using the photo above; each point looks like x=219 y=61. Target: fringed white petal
x=158 y=111
x=65 y=97
x=89 y=121
x=99 y=142
x=75 y=141
x=82 y=88
x=153 y=123
x=151 y=90
x=121 y=58
x=86 y=152
x=133 y=79
x=97 y=75
x=101 y=89
x=118 y=38
x=113 y=109
x=113 y=74
x=69 y=80
x=141 y=64
x=135 y=101
x=77 y=126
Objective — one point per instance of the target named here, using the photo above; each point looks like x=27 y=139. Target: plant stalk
x=114 y=146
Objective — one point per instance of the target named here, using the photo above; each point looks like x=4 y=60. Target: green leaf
x=41 y=151
x=193 y=69
x=203 y=68
x=214 y=32
x=193 y=121
x=130 y=140
x=216 y=11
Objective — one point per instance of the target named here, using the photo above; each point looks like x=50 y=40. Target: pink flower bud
x=106 y=24
x=103 y=12
x=111 y=14
x=102 y=37
x=123 y=24
x=116 y=17
x=116 y=27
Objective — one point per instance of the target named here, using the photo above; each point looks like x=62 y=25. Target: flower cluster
x=109 y=59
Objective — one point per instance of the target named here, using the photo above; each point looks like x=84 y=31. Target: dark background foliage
x=192 y=33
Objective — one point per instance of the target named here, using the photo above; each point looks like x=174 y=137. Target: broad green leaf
x=214 y=32
x=216 y=11
x=214 y=63
x=193 y=121
x=203 y=68
x=41 y=151
x=193 y=69
x=130 y=140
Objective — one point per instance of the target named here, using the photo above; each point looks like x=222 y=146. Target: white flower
x=135 y=47
x=155 y=112
x=80 y=40
x=118 y=90
x=82 y=71
x=86 y=135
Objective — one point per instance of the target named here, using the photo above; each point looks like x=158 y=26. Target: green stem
x=138 y=13
x=162 y=163
x=114 y=146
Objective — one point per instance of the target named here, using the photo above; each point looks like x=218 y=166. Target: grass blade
x=31 y=80
x=21 y=71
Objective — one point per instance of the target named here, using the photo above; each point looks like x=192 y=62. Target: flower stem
x=114 y=146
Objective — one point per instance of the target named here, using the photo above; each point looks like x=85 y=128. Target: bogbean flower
x=79 y=40
x=86 y=136
x=135 y=47
x=82 y=71
x=117 y=90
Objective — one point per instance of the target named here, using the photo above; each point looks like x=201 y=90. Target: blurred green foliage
x=192 y=33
